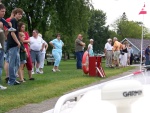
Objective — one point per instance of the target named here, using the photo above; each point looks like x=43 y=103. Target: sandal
x=31 y=78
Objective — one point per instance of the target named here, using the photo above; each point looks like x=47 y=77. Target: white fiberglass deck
x=89 y=100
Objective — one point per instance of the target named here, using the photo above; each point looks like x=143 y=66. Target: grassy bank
x=49 y=85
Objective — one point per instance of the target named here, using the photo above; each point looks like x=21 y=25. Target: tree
x=68 y=17
x=127 y=29
x=36 y=12
x=73 y=17
x=97 y=29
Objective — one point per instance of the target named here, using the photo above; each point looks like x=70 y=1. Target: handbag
x=121 y=52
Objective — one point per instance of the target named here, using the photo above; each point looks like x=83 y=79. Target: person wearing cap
x=147 y=55
x=79 y=48
x=108 y=53
x=90 y=48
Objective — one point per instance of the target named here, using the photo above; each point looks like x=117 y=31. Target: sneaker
x=33 y=72
x=1 y=30
x=2 y=87
x=53 y=70
x=57 y=70
x=41 y=72
x=16 y=83
x=11 y=29
x=38 y=72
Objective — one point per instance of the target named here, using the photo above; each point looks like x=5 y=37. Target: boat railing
x=76 y=95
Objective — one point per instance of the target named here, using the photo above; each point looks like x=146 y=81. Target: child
x=23 y=57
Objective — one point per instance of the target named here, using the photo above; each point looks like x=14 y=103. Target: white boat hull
x=89 y=100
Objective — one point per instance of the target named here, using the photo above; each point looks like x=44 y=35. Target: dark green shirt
x=22 y=52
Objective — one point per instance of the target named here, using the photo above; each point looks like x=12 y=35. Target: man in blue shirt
x=147 y=55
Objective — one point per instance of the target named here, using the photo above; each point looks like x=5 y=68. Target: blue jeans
x=57 y=56
x=147 y=62
x=1 y=62
x=79 y=55
x=35 y=56
x=14 y=62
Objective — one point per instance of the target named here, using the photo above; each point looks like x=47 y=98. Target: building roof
x=137 y=42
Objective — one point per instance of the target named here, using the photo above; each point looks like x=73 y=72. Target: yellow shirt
x=116 y=46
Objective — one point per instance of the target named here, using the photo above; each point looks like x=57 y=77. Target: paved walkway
x=49 y=104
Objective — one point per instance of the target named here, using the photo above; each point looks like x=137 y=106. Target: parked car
x=49 y=59
x=137 y=58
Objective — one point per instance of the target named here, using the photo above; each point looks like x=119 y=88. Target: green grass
x=49 y=85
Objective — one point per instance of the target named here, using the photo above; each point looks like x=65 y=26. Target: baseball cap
x=91 y=40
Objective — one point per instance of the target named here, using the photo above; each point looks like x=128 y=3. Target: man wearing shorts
x=116 y=50
x=36 y=45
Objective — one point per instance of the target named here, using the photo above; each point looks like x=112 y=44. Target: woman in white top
x=42 y=55
x=90 y=48
x=123 y=57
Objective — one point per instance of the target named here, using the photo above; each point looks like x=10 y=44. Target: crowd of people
x=118 y=54
x=121 y=54
x=19 y=50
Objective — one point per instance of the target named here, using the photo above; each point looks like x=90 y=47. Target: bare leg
x=20 y=72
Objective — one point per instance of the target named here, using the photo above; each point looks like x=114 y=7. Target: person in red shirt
x=21 y=28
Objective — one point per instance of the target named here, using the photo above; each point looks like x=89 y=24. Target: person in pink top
x=21 y=27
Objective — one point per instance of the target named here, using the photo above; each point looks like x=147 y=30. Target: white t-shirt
x=90 y=46
x=44 y=50
x=90 y=50
x=108 y=46
x=36 y=43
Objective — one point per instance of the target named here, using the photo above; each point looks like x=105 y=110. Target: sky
x=115 y=8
